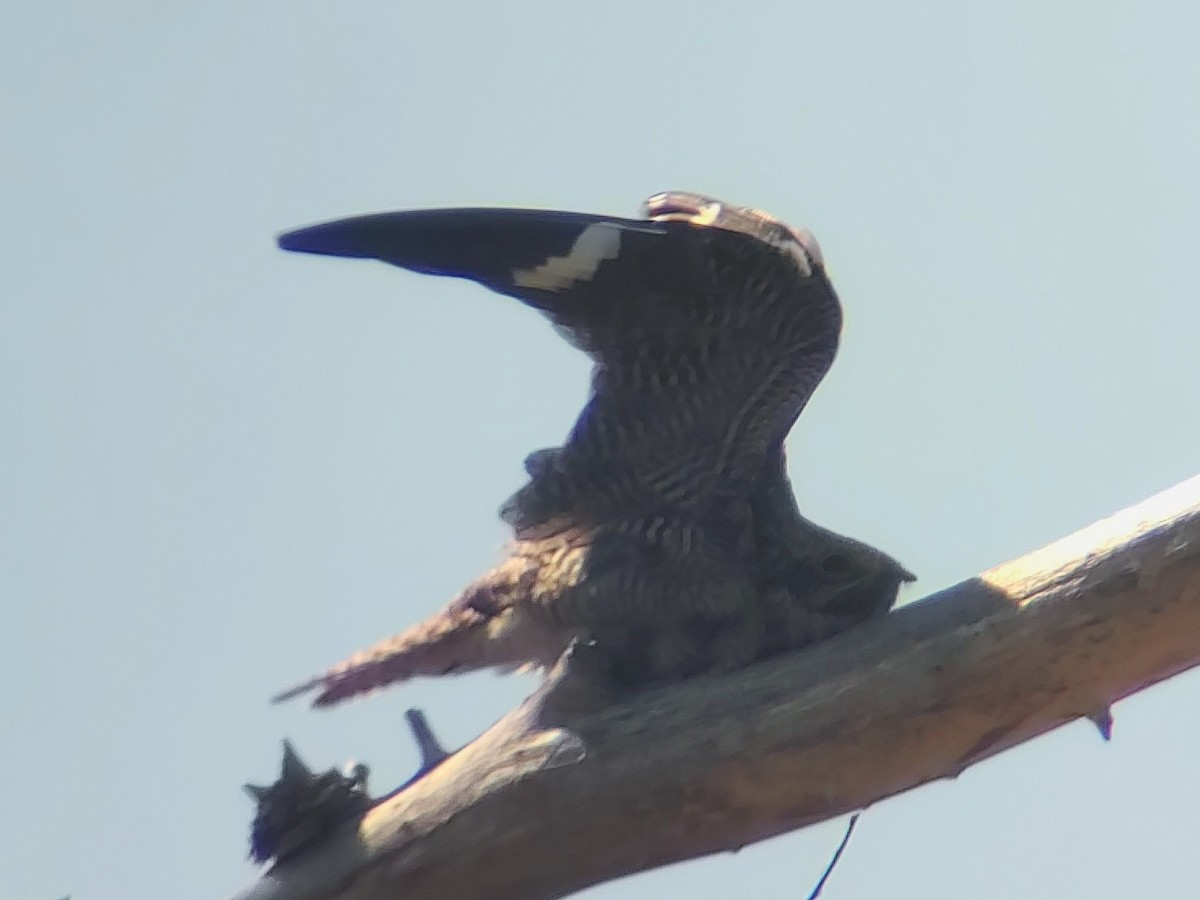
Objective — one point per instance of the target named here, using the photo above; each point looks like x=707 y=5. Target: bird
x=664 y=530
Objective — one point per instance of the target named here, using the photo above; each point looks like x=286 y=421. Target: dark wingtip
x=340 y=238
x=291 y=240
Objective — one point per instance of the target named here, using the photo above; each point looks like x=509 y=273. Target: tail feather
x=452 y=641
x=460 y=638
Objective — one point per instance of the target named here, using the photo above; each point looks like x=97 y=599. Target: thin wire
x=837 y=854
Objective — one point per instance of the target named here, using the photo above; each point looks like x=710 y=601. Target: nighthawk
x=664 y=530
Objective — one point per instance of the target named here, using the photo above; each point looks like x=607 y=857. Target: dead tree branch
x=567 y=791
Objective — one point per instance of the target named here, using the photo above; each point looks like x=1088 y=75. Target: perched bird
x=664 y=529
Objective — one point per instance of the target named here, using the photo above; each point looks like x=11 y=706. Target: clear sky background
x=223 y=466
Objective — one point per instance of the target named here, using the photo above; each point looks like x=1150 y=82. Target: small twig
x=837 y=854
x=432 y=752
x=1103 y=720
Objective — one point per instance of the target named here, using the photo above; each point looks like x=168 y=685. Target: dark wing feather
x=707 y=344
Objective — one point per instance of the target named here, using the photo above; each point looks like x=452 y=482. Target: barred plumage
x=664 y=528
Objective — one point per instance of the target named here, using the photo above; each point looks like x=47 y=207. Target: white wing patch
x=595 y=244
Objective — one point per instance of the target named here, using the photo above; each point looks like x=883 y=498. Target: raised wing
x=710 y=326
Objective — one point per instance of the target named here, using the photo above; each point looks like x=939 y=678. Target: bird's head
x=862 y=581
x=833 y=583
x=706 y=212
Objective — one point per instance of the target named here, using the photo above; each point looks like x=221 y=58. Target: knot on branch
x=301 y=807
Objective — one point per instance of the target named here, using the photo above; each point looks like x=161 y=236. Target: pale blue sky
x=222 y=466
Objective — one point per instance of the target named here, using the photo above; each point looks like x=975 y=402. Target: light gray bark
x=566 y=791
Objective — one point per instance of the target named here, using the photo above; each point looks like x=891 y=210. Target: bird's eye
x=836 y=564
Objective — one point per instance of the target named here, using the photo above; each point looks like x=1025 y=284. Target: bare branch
x=526 y=811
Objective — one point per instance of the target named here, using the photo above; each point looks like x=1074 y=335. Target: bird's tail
x=480 y=628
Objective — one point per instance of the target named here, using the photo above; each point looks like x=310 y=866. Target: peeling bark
x=570 y=790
